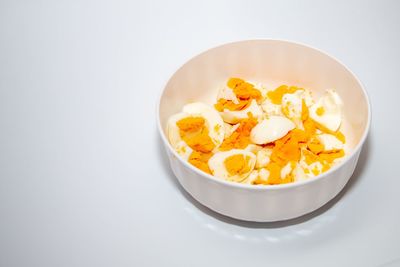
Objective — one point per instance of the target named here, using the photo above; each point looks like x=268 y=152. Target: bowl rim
x=296 y=184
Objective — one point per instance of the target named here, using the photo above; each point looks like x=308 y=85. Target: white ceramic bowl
x=272 y=62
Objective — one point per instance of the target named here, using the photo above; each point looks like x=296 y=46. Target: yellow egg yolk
x=276 y=95
x=243 y=90
x=288 y=147
x=196 y=135
x=191 y=124
x=274 y=177
x=237 y=164
x=240 y=138
x=315 y=146
x=200 y=160
x=320 y=111
x=223 y=104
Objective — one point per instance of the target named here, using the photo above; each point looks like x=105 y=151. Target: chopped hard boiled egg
x=234 y=165
x=328 y=111
x=330 y=142
x=227 y=94
x=230 y=129
x=271 y=129
x=260 y=137
x=271 y=109
x=263 y=157
x=292 y=104
x=235 y=116
x=213 y=121
x=258 y=177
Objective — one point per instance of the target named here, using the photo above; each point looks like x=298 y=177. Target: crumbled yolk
x=196 y=135
x=331 y=156
x=217 y=128
x=305 y=113
x=288 y=147
x=200 y=141
x=339 y=135
x=315 y=171
x=285 y=109
x=315 y=146
x=191 y=124
x=240 y=138
x=325 y=167
x=325 y=158
x=310 y=157
x=233 y=82
x=243 y=90
x=200 y=160
x=320 y=111
x=308 y=124
x=237 y=164
x=274 y=173
x=276 y=95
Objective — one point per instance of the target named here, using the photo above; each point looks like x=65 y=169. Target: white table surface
x=84 y=180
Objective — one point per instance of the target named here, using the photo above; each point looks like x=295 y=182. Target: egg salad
x=256 y=136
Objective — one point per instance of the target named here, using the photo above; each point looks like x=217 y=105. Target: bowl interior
x=272 y=63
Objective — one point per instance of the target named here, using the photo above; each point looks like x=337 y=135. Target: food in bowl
x=256 y=136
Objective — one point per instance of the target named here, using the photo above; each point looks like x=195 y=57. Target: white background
x=84 y=180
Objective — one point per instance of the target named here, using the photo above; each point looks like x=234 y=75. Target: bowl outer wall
x=247 y=204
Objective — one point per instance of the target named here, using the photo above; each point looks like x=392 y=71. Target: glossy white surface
x=75 y=76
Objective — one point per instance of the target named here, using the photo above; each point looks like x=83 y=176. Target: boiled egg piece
x=260 y=87
x=330 y=142
x=233 y=165
x=271 y=109
x=258 y=177
x=287 y=169
x=263 y=157
x=230 y=129
x=173 y=129
x=292 y=104
x=253 y=176
x=310 y=168
x=213 y=120
x=299 y=174
x=183 y=150
x=236 y=116
x=271 y=129
x=253 y=148
x=328 y=111
x=228 y=94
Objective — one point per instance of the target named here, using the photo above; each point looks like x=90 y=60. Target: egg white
x=218 y=169
x=271 y=129
x=330 y=142
x=236 y=116
x=332 y=105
